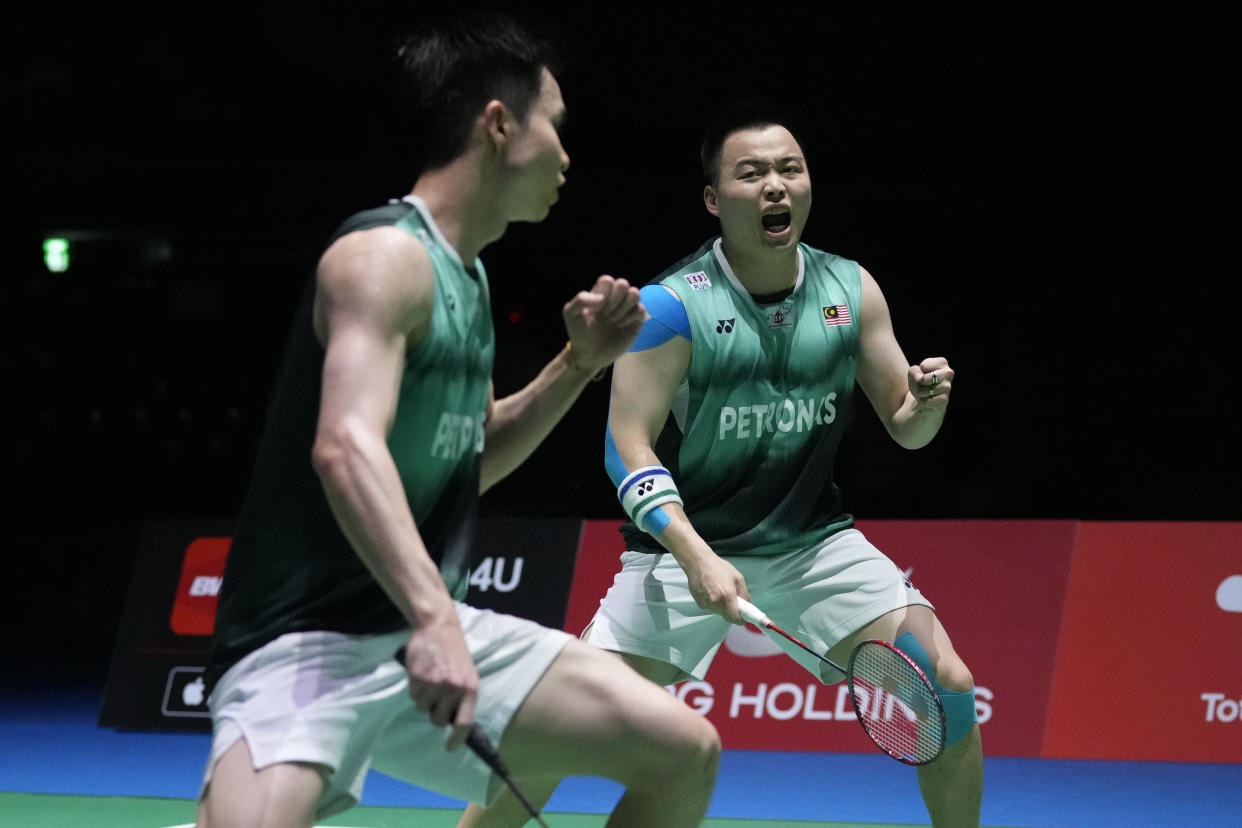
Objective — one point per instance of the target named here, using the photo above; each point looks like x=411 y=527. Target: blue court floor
x=49 y=743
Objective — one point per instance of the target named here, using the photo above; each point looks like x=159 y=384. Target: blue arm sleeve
x=668 y=318
x=612 y=459
x=655 y=522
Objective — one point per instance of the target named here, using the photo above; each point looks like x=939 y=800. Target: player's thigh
x=241 y=796
x=591 y=714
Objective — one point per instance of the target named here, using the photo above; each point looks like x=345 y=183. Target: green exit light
x=56 y=255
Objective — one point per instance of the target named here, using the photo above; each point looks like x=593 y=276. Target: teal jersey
x=290 y=568
x=755 y=425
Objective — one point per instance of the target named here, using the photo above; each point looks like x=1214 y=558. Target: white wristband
x=644 y=489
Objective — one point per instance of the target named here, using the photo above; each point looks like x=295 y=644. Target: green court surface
x=58 y=811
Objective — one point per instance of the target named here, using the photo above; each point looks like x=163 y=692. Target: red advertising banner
x=1150 y=658
x=202 y=572
x=1086 y=640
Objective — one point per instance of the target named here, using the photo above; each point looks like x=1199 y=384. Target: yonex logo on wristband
x=645 y=489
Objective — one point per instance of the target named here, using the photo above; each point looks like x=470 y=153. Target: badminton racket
x=896 y=704
x=482 y=746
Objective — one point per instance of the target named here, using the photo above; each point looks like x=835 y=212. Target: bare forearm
x=915 y=424
x=681 y=540
x=364 y=490
x=520 y=421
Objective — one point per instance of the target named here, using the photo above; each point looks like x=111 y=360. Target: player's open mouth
x=775 y=224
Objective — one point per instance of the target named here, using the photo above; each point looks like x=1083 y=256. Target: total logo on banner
x=1191 y=615
x=1218 y=706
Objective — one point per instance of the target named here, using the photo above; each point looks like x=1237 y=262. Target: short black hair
x=748 y=113
x=450 y=68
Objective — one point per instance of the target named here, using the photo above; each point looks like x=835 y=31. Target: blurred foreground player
x=354 y=537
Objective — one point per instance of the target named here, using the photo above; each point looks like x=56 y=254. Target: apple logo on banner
x=192 y=693
x=185 y=693
x=1229 y=594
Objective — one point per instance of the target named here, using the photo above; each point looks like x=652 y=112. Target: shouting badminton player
x=354 y=536
x=723 y=426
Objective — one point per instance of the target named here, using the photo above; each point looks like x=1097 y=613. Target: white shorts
x=824 y=593
x=342 y=701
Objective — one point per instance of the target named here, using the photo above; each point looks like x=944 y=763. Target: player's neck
x=763 y=271
x=455 y=197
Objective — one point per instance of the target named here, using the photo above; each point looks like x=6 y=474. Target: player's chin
x=534 y=216
x=541 y=213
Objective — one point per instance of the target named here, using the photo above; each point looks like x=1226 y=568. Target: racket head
x=896 y=703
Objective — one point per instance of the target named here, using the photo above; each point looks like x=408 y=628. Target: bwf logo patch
x=698 y=281
x=837 y=315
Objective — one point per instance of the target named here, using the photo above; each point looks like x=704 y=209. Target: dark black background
x=1047 y=195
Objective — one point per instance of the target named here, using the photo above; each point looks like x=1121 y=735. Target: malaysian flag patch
x=698 y=281
x=837 y=315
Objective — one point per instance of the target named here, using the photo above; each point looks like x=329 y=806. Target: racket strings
x=895 y=705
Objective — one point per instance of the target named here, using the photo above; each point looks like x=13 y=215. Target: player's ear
x=495 y=122
x=709 y=200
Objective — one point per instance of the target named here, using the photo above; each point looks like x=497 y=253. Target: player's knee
x=682 y=748
x=953 y=674
x=705 y=747
x=691 y=759
x=954 y=684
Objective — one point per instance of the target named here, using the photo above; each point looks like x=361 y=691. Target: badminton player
x=725 y=418
x=354 y=535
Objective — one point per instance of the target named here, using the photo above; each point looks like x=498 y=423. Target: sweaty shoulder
x=382 y=274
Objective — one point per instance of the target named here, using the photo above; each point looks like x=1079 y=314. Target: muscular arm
x=602 y=322
x=643 y=385
x=373 y=300
x=909 y=403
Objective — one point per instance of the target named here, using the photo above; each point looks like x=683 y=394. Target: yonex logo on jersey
x=782 y=317
x=746 y=421
x=725 y=325
x=698 y=281
x=455 y=435
x=837 y=315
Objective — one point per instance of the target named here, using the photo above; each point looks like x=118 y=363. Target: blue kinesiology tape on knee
x=657 y=519
x=959 y=706
x=668 y=318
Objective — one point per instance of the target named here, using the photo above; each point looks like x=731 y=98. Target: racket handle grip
x=752 y=613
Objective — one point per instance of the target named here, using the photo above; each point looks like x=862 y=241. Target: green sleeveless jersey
x=755 y=424
x=290 y=567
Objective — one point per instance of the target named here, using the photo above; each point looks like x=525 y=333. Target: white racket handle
x=752 y=613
